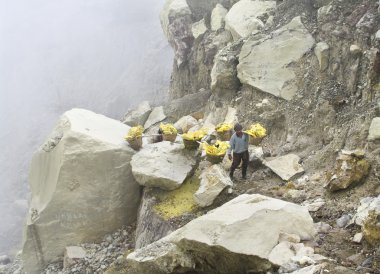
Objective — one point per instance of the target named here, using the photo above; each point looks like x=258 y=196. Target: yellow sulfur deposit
x=257 y=131
x=179 y=201
x=134 y=133
x=218 y=149
x=168 y=129
x=223 y=127
x=196 y=135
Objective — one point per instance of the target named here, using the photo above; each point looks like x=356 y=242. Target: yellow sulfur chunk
x=168 y=129
x=223 y=127
x=257 y=131
x=134 y=133
x=218 y=149
x=196 y=135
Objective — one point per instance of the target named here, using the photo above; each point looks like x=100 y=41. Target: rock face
x=263 y=64
x=213 y=181
x=165 y=165
x=244 y=17
x=176 y=22
x=139 y=115
x=285 y=166
x=235 y=238
x=150 y=226
x=85 y=161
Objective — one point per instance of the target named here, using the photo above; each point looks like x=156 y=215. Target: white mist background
x=101 y=55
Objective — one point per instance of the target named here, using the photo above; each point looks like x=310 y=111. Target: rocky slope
x=309 y=72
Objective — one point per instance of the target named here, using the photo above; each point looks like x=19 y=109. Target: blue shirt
x=238 y=144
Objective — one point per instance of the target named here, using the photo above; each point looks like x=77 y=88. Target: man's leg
x=236 y=158
x=245 y=159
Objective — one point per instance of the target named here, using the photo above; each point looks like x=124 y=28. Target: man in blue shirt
x=238 y=150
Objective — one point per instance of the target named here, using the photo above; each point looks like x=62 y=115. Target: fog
x=102 y=55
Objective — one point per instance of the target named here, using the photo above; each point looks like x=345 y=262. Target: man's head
x=238 y=129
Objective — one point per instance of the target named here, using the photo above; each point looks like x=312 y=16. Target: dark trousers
x=236 y=159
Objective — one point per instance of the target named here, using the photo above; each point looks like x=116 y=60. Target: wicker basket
x=136 y=144
x=225 y=135
x=255 y=140
x=169 y=137
x=189 y=144
x=214 y=159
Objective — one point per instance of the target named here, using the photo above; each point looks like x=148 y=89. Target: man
x=239 y=147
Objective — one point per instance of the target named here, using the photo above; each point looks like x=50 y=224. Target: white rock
x=217 y=17
x=323 y=227
x=321 y=50
x=358 y=238
x=139 y=115
x=243 y=18
x=366 y=205
x=286 y=237
x=282 y=253
x=165 y=165
x=82 y=187
x=315 y=205
x=172 y=9
x=185 y=123
x=355 y=50
x=255 y=153
x=157 y=115
x=312 y=269
x=285 y=166
x=374 y=129
x=247 y=226
x=213 y=181
x=323 y=12
x=264 y=64
x=73 y=255
x=199 y=28
x=377 y=35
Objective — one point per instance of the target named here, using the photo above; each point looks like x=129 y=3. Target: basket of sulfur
x=169 y=132
x=256 y=134
x=215 y=153
x=191 y=139
x=224 y=131
x=134 y=137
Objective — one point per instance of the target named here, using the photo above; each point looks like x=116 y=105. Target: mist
x=101 y=55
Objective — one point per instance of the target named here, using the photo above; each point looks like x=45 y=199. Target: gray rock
x=217 y=17
x=139 y=115
x=157 y=115
x=165 y=165
x=343 y=221
x=321 y=50
x=213 y=181
x=243 y=18
x=73 y=255
x=258 y=219
x=286 y=166
x=90 y=161
x=374 y=130
x=272 y=73
x=150 y=226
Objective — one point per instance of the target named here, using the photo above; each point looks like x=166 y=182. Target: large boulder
x=234 y=238
x=82 y=187
x=176 y=23
x=185 y=123
x=264 y=63
x=164 y=165
x=139 y=115
x=245 y=17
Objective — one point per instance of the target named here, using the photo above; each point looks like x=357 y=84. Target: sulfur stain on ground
x=179 y=201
